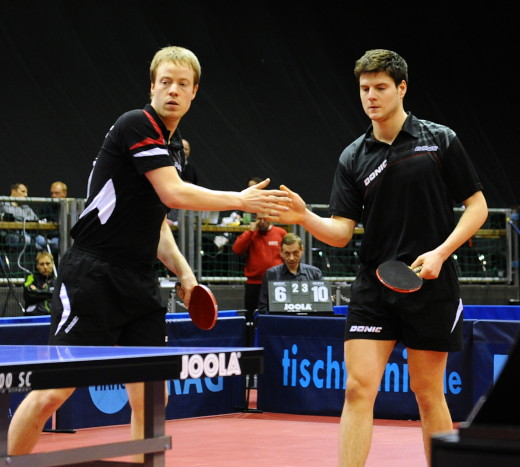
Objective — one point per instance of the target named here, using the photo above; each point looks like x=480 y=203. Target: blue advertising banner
x=305 y=373
x=25 y=333
x=206 y=396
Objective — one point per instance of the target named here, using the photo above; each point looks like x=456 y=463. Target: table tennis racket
x=203 y=307
x=399 y=277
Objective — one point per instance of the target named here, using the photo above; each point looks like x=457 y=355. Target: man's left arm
x=473 y=217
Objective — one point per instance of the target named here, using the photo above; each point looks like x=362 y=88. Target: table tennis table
x=26 y=367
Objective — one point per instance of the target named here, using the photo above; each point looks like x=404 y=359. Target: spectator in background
x=253 y=181
x=58 y=190
x=189 y=174
x=292 y=269
x=261 y=243
x=38 y=286
x=14 y=211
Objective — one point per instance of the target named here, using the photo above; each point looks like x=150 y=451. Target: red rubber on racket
x=203 y=307
x=399 y=277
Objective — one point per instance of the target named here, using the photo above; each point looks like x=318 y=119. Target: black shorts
x=96 y=302
x=429 y=319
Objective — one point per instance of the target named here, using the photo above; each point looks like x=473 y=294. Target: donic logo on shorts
x=372 y=329
x=109 y=398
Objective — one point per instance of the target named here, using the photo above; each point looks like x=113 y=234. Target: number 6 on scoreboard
x=280 y=294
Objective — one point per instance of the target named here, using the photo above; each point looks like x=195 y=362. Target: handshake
x=283 y=205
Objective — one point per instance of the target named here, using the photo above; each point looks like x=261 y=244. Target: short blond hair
x=63 y=186
x=179 y=56
x=44 y=254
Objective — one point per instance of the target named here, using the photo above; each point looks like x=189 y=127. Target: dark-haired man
x=400 y=180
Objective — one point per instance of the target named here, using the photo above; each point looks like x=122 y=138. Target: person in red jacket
x=261 y=243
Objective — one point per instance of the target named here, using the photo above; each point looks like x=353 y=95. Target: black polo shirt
x=123 y=214
x=403 y=193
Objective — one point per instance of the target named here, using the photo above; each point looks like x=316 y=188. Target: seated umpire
x=38 y=286
x=291 y=269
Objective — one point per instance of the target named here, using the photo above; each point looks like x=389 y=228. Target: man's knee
x=48 y=399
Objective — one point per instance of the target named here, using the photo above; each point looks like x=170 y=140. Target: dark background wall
x=277 y=96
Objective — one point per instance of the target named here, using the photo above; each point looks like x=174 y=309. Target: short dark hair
x=290 y=238
x=377 y=60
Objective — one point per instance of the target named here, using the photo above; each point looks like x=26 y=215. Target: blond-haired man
x=107 y=288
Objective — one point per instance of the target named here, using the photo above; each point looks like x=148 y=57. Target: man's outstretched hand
x=295 y=208
x=270 y=202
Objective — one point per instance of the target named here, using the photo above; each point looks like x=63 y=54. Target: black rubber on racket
x=398 y=276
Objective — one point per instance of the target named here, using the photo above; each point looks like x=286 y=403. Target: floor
x=251 y=439
x=260 y=440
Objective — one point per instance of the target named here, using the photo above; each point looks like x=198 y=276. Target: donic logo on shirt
x=375 y=173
